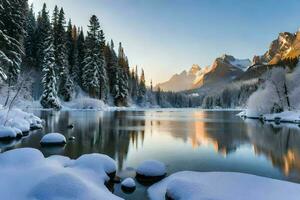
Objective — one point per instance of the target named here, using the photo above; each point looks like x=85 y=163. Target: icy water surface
x=182 y=139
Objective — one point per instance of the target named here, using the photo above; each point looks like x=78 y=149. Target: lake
x=184 y=139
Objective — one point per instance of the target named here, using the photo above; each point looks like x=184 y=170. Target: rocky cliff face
x=286 y=46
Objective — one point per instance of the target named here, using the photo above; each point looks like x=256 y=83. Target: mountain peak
x=194 y=69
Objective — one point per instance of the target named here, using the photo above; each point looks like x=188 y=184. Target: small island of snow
x=53 y=139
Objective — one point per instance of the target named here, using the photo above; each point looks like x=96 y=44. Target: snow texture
x=222 y=186
x=53 y=138
x=86 y=103
x=17 y=120
x=7 y=132
x=152 y=168
x=52 y=178
x=128 y=183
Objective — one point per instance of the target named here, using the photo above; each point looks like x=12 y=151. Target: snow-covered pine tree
x=94 y=71
x=142 y=88
x=118 y=80
x=12 y=21
x=65 y=87
x=49 y=97
x=103 y=79
x=42 y=33
x=30 y=42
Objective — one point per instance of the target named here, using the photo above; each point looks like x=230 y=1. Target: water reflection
x=184 y=140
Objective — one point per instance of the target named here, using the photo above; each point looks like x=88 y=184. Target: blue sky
x=167 y=36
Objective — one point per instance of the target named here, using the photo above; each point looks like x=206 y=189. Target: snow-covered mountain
x=223 y=69
x=286 y=46
x=182 y=81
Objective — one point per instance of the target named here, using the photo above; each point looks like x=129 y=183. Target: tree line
x=68 y=58
x=72 y=60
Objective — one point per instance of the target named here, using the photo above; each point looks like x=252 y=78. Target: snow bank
x=222 y=186
x=285 y=117
x=18 y=120
x=151 y=168
x=86 y=103
x=26 y=174
x=53 y=139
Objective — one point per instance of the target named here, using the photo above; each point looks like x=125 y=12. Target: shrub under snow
x=87 y=103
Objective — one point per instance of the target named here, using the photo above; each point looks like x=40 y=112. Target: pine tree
x=103 y=79
x=76 y=74
x=49 y=97
x=142 y=88
x=12 y=31
x=30 y=40
x=70 y=45
x=118 y=80
x=94 y=71
x=65 y=87
x=80 y=55
x=42 y=33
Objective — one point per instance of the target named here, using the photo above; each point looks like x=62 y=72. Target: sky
x=165 y=37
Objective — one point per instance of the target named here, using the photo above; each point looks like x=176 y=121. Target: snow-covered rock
x=53 y=139
x=128 y=185
x=151 y=171
x=19 y=133
x=20 y=124
x=91 y=161
x=7 y=133
x=26 y=174
x=222 y=185
x=19 y=119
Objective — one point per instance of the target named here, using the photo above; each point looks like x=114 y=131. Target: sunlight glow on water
x=182 y=139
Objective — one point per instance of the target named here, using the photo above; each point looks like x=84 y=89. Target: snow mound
x=19 y=120
x=152 y=168
x=21 y=124
x=91 y=161
x=7 y=133
x=222 y=185
x=86 y=103
x=26 y=174
x=128 y=183
x=53 y=139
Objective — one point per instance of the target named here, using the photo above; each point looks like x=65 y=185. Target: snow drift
x=222 y=186
x=56 y=177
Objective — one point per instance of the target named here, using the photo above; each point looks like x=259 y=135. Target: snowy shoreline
x=59 y=177
x=283 y=117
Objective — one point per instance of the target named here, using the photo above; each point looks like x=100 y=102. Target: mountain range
x=227 y=68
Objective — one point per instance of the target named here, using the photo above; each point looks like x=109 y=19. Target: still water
x=183 y=139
